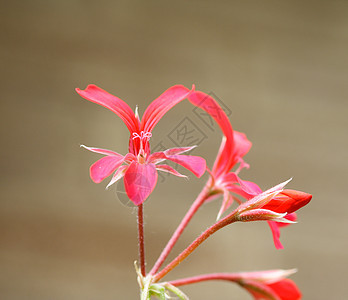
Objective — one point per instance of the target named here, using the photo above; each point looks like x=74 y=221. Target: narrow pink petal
x=102 y=151
x=276 y=234
x=118 y=175
x=248 y=187
x=224 y=160
x=233 y=188
x=226 y=203
x=115 y=104
x=195 y=164
x=176 y=151
x=156 y=157
x=241 y=144
x=104 y=167
x=156 y=110
x=169 y=169
x=139 y=181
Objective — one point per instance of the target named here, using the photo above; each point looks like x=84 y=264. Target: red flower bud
x=288 y=201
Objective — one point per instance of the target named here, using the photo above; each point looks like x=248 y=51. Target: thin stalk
x=141 y=239
x=204 y=194
x=206 y=277
x=220 y=224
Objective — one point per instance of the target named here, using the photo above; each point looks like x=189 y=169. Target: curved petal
x=139 y=181
x=115 y=104
x=276 y=234
x=195 y=164
x=169 y=169
x=104 y=167
x=162 y=104
x=288 y=201
x=286 y=289
x=101 y=151
x=156 y=157
x=248 y=187
x=260 y=290
x=226 y=203
x=176 y=151
x=242 y=144
x=224 y=160
x=118 y=175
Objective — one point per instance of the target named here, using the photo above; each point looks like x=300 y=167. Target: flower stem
x=220 y=224
x=206 y=277
x=141 y=239
x=204 y=194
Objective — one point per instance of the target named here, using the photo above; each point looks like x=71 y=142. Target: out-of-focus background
x=279 y=68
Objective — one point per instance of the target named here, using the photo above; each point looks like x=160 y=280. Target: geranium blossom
x=233 y=148
x=139 y=167
x=270 y=285
x=262 y=285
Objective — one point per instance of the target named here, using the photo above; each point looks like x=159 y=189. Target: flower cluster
x=139 y=167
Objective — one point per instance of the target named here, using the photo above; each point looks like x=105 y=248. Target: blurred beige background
x=280 y=67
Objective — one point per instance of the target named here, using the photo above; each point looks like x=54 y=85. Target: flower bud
x=288 y=201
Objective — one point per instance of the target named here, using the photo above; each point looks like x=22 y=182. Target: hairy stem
x=187 y=218
x=141 y=239
x=220 y=224
x=205 y=277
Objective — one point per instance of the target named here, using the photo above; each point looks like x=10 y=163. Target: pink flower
x=139 y=167
x=270 y=285
x=233 y=148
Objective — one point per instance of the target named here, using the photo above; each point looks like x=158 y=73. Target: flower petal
x=104 y=167
x=162 y=104
x=224 y=160
x=260 y=290
x=226 y=203
x=195 y=164
x=176 y=151
x=241 y=145
x=115 y=104
x=275 y=229
x=169 y=169
x=139 y=181
x=291 y=217
x=248 y=187
x=288 y=201
x=118 y=175
x=101 y=151
x=156 y=157
x=286 y=289
x=276 y=234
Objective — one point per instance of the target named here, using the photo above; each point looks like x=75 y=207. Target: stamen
x=143 y=135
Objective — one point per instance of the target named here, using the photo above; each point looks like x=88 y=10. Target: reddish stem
x=222 y=223
x=206 y=277
x=141 y=239
x=187 y=218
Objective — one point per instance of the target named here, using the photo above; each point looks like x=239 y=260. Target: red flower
x=275 y=203
x=284 y=289
x=233 y=147
x=139 y=167
x=270 y=285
